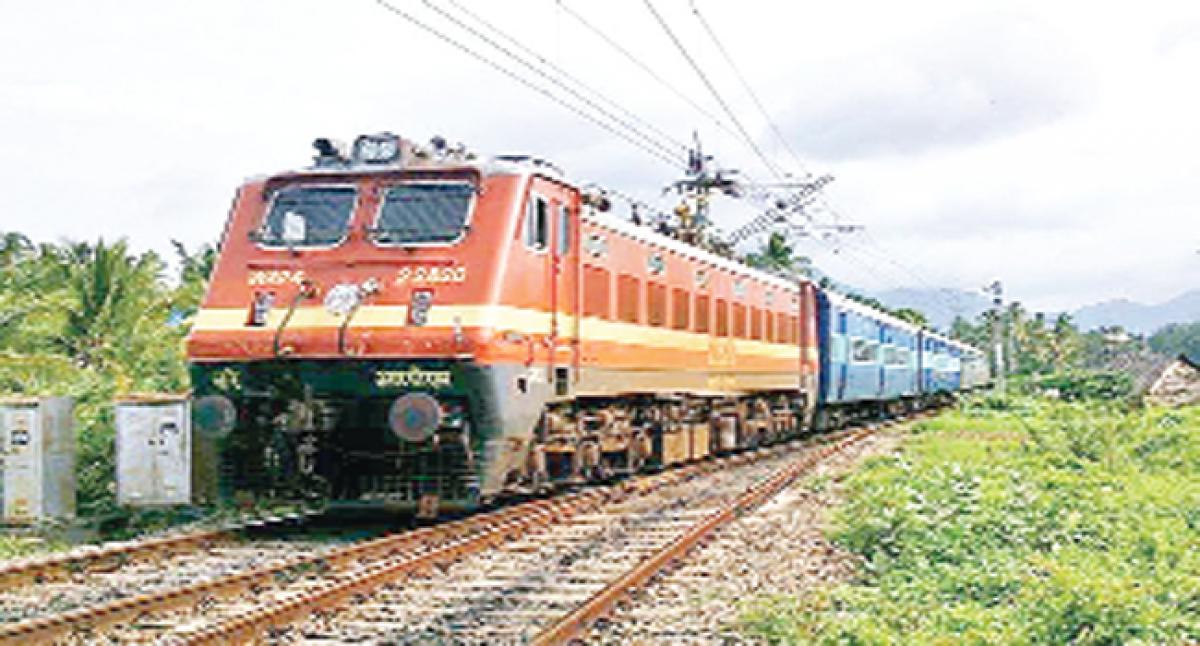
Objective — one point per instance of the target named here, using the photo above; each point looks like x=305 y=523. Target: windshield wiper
x=401 y=235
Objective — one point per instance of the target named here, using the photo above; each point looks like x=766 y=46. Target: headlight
x=214 y=416
x=342 y=299
x=415 y=417
x=382 y=148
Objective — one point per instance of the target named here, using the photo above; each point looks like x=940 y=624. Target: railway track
x=463 y=580
x=117 y=554
x=550 y=587
x=36 y=587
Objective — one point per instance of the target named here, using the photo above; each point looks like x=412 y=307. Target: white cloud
x=1048 y=144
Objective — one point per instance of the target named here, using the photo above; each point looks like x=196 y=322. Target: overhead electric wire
x=745 y=135
x=565 y=74
x=555 y=81
x=611 y=42
x=749 y=90
x=643 y=66
x=677 y=164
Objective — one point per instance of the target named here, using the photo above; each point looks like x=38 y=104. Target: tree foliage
x=94 y=321
x=1176 y=339
x=1032 y=344
x=778 y=257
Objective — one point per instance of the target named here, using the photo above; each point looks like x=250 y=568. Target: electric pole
x=997 y=291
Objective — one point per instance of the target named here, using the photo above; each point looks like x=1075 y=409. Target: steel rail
x=93 y=618
x=574 y=624
x=115 y=554
x=247 y=625
x=500 y=522
x=400 y=555
x=40 y=569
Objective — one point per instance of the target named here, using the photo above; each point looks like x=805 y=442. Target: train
x=416 y=328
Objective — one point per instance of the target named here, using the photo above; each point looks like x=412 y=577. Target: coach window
x=891 y=357
x=628 y=297
x=756 y=331
x=537 y=224
x=739 y=320
x=656 y=304
x=781 y=328
x=564 y=230
x=863 y=351
x=681 y=307
x=702 y=314
x=596 y=301
x=722 y=317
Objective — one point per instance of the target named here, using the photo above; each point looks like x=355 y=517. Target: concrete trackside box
x=154 y=451
x=37 y=443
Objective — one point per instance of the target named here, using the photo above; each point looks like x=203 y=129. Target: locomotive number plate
x=275 y=277
x=431 y=275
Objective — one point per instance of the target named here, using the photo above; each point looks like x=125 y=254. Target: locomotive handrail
x=306 y=290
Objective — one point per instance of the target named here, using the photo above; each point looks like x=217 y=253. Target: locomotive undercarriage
x=596 y=439
x=327 y=433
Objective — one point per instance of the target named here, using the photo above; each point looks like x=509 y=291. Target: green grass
x=1016 y=521
x=12 y=547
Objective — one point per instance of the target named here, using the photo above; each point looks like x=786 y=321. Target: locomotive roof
x=528 y=167
x=650 y=236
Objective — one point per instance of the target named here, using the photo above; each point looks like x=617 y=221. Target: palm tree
x=778 y=257
x=112 y=295
x=195 y=267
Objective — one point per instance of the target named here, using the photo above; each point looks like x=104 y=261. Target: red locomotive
x=413 y=327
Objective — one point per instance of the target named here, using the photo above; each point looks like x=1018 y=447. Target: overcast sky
x=1052 y=145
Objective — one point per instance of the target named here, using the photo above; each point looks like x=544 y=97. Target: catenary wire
x=745 y=135
x=552 y=79
x=599 y=33
x=670 y=161
x=567 y=75
x=749 y=89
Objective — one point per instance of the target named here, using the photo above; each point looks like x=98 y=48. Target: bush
x=1080 y=385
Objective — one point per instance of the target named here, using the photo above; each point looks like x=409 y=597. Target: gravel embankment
x=779 y=549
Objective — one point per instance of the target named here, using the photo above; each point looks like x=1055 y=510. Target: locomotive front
x=335 y=356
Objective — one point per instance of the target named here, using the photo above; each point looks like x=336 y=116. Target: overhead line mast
x=746 y=86
x=713 y=90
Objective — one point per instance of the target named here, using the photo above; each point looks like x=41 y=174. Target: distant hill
x=1137 y=317
x=939 y=305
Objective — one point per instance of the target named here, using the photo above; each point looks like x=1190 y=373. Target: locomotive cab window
x=564 y=231
x=426 y=213
x=307 y=216
x=537 y=224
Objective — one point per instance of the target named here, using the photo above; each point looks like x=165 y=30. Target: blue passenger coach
x=867 y=357
x=940 y=364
